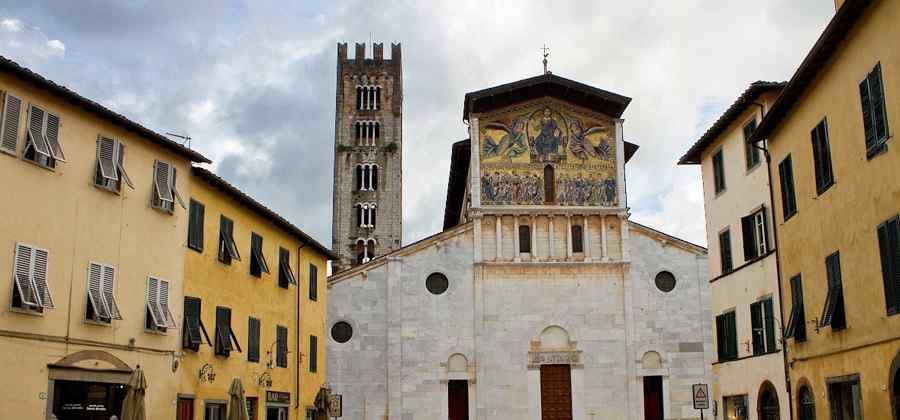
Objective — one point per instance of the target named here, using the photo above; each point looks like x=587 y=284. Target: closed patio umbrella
x=237 y=404
x=133 y=406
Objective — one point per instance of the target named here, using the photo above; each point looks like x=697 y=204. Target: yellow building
x=254 y=308
x=92 y=237
x=835 y=173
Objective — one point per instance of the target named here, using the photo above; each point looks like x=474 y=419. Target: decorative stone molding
x=560 y=357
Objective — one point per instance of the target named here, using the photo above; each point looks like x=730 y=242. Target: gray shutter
x=109 y=291
x=39 y=273
x=120 y=163
x=95 y=291
x=24 y=283
x=153 y=302
x=164 y=304
x=173 y=177
x=161 y=174
x=9 y=125
x=106 y=158
x=51 y=133
x=36 y=130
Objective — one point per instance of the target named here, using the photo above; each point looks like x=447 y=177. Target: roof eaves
x=217 y=181
x=24 y=73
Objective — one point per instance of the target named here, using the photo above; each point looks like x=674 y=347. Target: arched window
x=372 y=209
x=374 y=186
x=377 y=97
x=359 y=177
x=359 y=215
x=768 y=402
x=359 y=97
x=367 y=180
x=577 y=239
x=370 y=249
x=806 y=408
x=525 y=239
x=549 y=184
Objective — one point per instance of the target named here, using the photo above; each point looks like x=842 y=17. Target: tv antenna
x=186 y=140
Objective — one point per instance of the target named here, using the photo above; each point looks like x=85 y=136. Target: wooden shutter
x=313 y=282
x=40 y=261
x=866 y=101
x=153 y=303
x=285 y=273
x=36 y=130
x=9 y=124
x=95 y=292
x=719 y=171
x=161 y=181
x=788 y=196
x=889 y=247
x=769 y=324
x=191 y=338
x=756 y=324
x=256 y=244
x=196 y=215
x=725 y=251
x=313 y=353
x=748 y=229
x=223 y=331
x=108 y=290
x=720 y=337
x=228 y=250
x=51 y=133
x=28 y=292
x=822 y=157
x=879 y=115
x=751 y=155
x=731 y=328
x=164 y=303
x=120 y=164
x=834 y=303
x=253 y=340
x=281 y=337
x=106 y=158
x=797 y=296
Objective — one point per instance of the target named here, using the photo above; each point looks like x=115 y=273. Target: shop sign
x=278 y=397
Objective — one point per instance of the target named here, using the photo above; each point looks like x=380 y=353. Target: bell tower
x=368 y=155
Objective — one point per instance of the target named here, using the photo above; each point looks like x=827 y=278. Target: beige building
x=92 y=237
x=743 y=277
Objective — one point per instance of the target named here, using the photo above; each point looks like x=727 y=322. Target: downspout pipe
x=784 y=348
x=297 y=333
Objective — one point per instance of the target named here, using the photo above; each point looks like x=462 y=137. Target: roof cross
x=546 y=52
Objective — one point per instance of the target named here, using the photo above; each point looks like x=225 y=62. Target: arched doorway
x=768 y=408
x=806 y=403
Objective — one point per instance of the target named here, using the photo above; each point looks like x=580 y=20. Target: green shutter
x=313 y=282
x=768 y=311
x=313 y=353
x=879 y=117
x=732 y=341
x=253 y=340
x=756 y=324
x=191 y=337
x=223 y=331
x=748 y=234
x=281 y=337
x=195 y=225
x=889 y=247
x=868 y=123
x=720 y=337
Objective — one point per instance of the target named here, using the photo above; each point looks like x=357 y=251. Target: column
x=533 y=239
x=587 y=238
x=516 y=250
x=550 y=234
x=479 y=240
x=569 y=236
x=603 y=230
x=499 y=246
x=623 y=221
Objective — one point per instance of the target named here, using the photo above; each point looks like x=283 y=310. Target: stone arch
x=806 y=400
x=767 y=405
x=651 y=360
x=457 y=362
x=76 y=360
x=554 y=337
x=894 y=381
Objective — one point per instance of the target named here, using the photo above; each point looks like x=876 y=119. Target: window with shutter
x=719 y=172
x=9 y=123
x=889 y=249
x=159 y=316
x=31 y=291
x=874 y=111
x=788 y=194
x=162 y=188
x=754 y=229
x=37 y=146
x=193 y=329
x=769 y=325
x=258 y=263
x=102 y=303
x=313 y=353
x=196 y=215
x=758 y=331
x=796 y=326
x=313 y=282
x=833 y=313
x=726 y=336
x=524 y=239
x=110 y=171
x=253 y=340
x=281 y=338
x=226 y=341
x=285 y=273
x=725 y=251
x=228 y=250
x=731 y=338
x=822 y=157
x=751 y=153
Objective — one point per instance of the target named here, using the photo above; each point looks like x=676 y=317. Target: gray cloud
x=253 y=83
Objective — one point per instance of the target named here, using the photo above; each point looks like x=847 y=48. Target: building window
x=367 y=177
x=196 y=213
x=258 y=264
x=285 y=273
x=368 y=97
x=228 y=250
x=874 y=111
x=735 y=407
x=281 y=350
x=807 y=402
x=365 y=250
x=889 y=247
x=755 y=232
x=367 y=133
x=164 y=191
x=549 y=184
x=725 y=251
x=577 y=238
x=31 y=293
x=845 y=398
x=9 y=123
x=665 y=281
x=788 y=194
x=192 y=325
x=750 y=151
x=42 y=139
x=366 y=214
x=768 y=402
x=437 y=283
x=253 y=327
x=726 y=336
x=101 y=293
x=796 y=326
x=214 y=411
x=525 y=239
x=110 y=170
x=226 y=340
x=158 y=317
x=341 y=332
x=833 y=313
x=313 y=353
x=313 y=282
x=719 y=171
x=822 y=157
x=762 y=320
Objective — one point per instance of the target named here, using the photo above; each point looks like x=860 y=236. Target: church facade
x=540 y=299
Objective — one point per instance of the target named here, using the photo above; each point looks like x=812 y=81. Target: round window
x=437 y=283
x=341 y=332
x=665 y=281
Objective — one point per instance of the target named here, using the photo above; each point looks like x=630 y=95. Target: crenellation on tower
x=368 y=155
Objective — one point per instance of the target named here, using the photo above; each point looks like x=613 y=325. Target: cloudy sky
x=253 y=82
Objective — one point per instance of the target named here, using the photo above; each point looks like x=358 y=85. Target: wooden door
x=653 y=398
x=556 y=392
x=185 y=409
x=458 y=399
